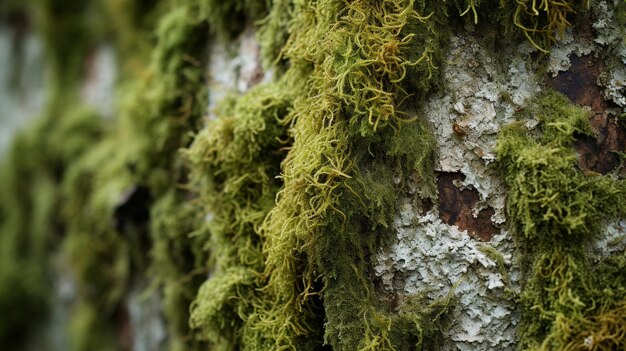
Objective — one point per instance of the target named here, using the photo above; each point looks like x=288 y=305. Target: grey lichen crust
x=610 y=40
x=234 y=67
x=613 y=241
x=147 y=325
x=568 y=45
x=98 y=88
x=437 y=259
x=611 y=36
x=22 y=88
x=482 y=92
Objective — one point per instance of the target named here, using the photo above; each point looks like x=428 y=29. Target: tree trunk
x=355 y=175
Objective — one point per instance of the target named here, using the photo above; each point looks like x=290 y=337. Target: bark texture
x=312 y=175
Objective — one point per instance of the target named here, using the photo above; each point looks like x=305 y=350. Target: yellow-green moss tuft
x=568 y=302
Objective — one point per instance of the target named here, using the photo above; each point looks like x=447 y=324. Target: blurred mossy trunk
x=159 y=228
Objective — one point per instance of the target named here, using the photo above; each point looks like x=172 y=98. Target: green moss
x=67 y=35
x=274 y=31
x=555 y=200
x=301 y=176
x=496 y=256
x=546 y=19
x=349 y=138
x=31 y=175
x=31 y=219
x=90 y=328
x=178 y=263
x=228 y=18
x=557 y=211
x=620 y=13
x=76 y=161
x=111 y=191
x=236 y=161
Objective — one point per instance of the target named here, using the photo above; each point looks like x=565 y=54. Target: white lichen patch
x=482 y=93
x=22 y=87
x=611 y=35
x=98 y=86
x=64 y=295
x=562 y=51
x=429 y=256
x=612 y=241
x=146 y=320
x=234 y=67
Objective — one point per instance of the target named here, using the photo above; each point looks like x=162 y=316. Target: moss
x=130 y=25
x=236 y=160
x=348 y=139
x=620 y=13
x=31 y=218
x=67 y=36
x=545 y=20
x=274 y=31
x=112 y=190
x=556 y=199
x=227 y=18
x=75 y=160
x=301 y=176
x=178 y=263
x=557 y=212
x=31 y=174
x=90 y=329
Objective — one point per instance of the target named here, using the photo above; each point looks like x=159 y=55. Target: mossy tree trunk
x=309 y=175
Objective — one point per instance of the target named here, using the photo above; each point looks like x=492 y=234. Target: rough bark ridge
x=371 y=175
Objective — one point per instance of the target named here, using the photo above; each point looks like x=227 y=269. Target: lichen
x=610 y=27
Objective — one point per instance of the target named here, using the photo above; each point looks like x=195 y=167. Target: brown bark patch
x=124 y=329
x=579 y=83
x=456 y=206
x=18 y=20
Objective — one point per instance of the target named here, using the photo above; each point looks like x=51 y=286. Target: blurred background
x=97 y=98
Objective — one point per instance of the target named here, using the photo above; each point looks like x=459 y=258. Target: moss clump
x=554 y=201
x=339 y=195
x=545 y=19
x=68 y=29
x=228 y=18
x=31 y=220
x=31 y=174
x=496 y=256
x=178 y=262
x=114 y=191
x=130 y=24
x=236 y=161
x=541 y=22
x=568 y=302
x=347 y=86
